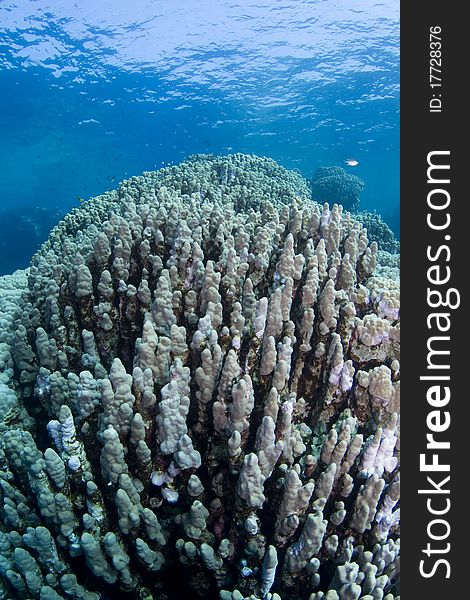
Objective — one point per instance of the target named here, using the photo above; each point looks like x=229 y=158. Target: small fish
x=351 y=162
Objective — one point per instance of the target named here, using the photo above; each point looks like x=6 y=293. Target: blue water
x=92 y=92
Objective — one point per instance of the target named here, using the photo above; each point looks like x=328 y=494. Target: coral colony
x=333 y=184
x=199 y=379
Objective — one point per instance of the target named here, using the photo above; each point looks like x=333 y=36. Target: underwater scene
x=199 y=300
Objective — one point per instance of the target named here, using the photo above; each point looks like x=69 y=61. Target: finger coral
x=199 y=396
x=379 y=231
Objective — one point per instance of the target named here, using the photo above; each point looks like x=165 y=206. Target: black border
x=423 y=132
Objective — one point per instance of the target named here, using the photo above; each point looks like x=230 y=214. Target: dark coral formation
x=200 y=383
x=335 y=186
x=378 y=231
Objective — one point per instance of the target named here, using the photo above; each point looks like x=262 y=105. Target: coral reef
x=334 y=185
x=199 y=397
x=378 y=231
